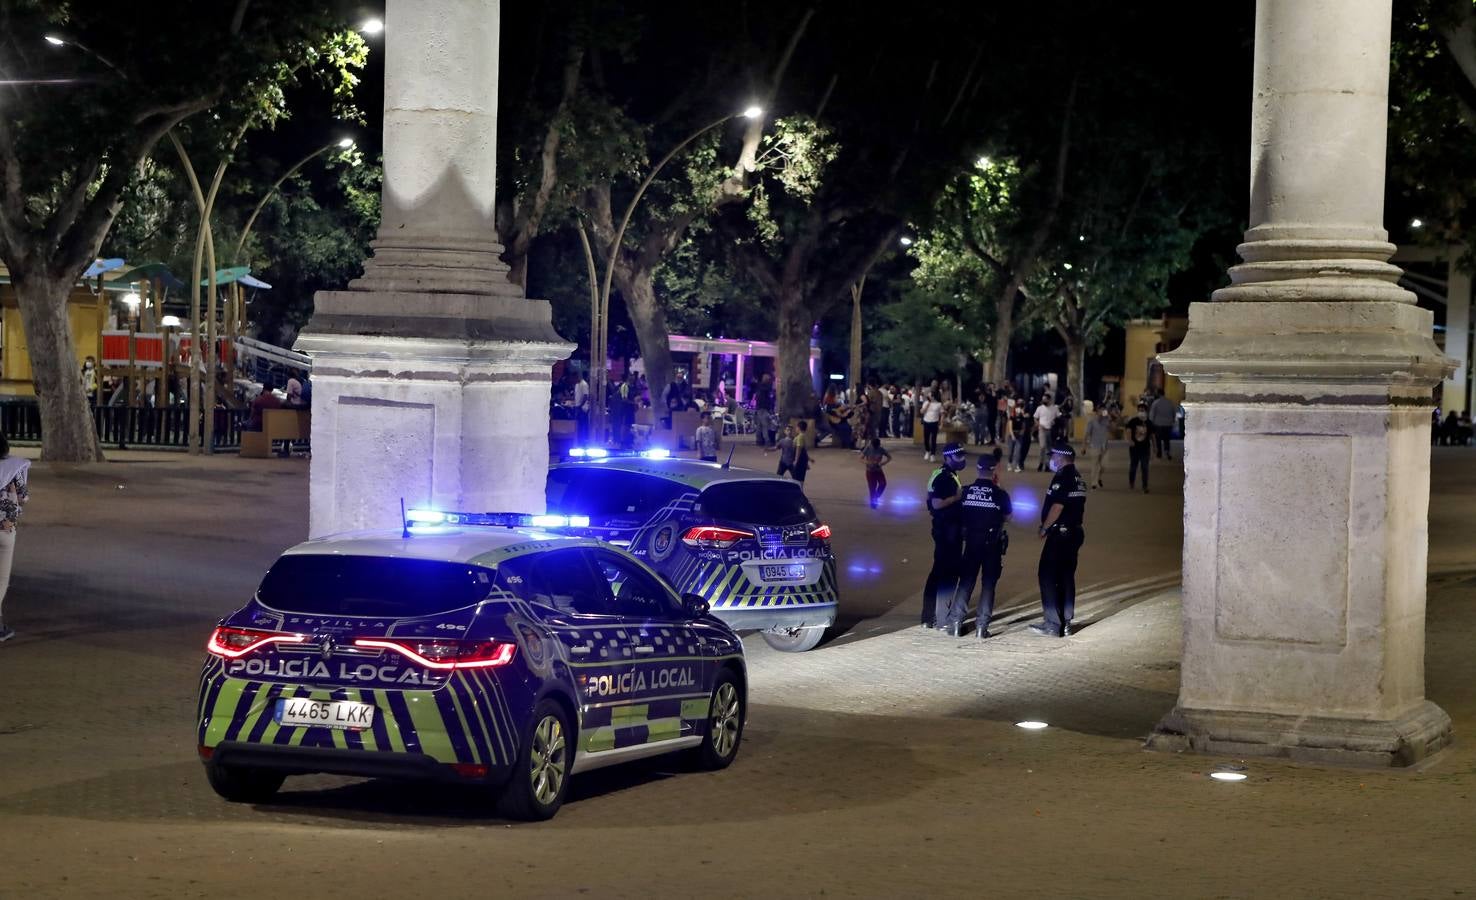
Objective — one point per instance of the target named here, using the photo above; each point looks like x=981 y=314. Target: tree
x=76 y=128
x=922 y=334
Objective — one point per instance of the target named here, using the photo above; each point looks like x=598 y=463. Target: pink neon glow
x=258 y=639
x=476 y=653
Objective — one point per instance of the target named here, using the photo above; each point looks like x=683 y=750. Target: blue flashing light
x=656 y=453
x=430 y=521
x=425 y=516
x=588 y=453
x=429 y=529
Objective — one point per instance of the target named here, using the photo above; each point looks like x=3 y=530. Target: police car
x=483 y=649
x=749 y=543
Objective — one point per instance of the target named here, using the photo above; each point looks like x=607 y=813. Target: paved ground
x=884 y=763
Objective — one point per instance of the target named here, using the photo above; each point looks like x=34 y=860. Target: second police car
x=480 y=649
x=749 y=543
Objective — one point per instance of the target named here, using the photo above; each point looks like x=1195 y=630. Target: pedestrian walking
x=1099 y=431
x=763 y=407
x=1139 y=434
x=1161 y=416
x=706 y=439
x=14 y=474
x=875 y=456
x=979 y=421
x=932 y=414
x=986 y=508
x=944 y=497
x=1024 y=424
x=1060 y=527
x=1045 y=424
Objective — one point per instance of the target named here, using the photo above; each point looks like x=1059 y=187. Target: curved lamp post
x=599 y=339
x=342 y=144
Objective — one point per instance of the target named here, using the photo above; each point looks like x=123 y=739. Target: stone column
x=1455 y=396
x=1307 y=463
x=431 y=373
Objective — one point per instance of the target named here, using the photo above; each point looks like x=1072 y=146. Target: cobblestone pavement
x=884 y=763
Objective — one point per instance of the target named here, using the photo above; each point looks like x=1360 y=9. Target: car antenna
x=729 y=462
x=404 y=522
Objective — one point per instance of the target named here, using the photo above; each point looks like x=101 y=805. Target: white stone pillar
x=1307 y=463
x=431 y=373
x=1456 y=395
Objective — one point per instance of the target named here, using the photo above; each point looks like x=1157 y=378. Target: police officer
x=986 y=508
x=1060 y=528
x=944 y=496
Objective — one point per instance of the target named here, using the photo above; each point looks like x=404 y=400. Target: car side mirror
x=695 y=605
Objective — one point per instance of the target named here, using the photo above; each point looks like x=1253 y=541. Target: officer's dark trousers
x=1137 y=456
x=1058 y=576
x=943 y=577
x=981 y=558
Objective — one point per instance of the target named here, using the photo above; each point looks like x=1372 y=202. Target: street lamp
x=601 y=314
x=54 y=41
x=342 y=143
x=372 y=27
x=132 y=301
x=905 y=241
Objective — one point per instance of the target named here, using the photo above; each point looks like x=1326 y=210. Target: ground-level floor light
x=1228 y=776
x=1031 y=725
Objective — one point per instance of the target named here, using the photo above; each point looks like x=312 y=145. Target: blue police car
x=749 y=543
x=484 y=649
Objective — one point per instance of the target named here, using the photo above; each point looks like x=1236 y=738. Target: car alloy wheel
x=548 y=761
x=727 y=719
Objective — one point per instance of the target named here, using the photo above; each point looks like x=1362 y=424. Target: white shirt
x=932 y=411
x=581 y=394
x=1045 y=416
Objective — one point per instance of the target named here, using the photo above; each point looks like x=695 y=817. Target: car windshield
x=758 y=502
x=371 y=585
x=608 y=495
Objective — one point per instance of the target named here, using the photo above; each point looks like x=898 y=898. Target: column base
x=1417 y=735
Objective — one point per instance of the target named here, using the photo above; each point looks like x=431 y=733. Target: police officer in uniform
x=944 y=496
x=986 y=508
x=1060 y=528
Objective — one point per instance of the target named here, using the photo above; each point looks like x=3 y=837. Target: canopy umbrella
x=100 y=266
x=151 y=272
x=227 y=276
x=254 y=282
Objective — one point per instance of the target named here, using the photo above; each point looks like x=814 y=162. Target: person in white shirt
x=932 y=414
x=1045 y=422
x=581 y=408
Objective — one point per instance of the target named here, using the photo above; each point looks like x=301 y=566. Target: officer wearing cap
x=944 y=496
x=1060 y=528
x=986 y=508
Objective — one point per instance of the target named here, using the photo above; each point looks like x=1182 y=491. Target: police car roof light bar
x=588 y=453
x=428 y=519
x=602 y=453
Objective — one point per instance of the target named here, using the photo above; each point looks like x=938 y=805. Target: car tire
x=540 y=776
x=794 y=640
x=239 y=784
x=726 y=714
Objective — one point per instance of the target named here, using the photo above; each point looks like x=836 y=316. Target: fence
x=125 y=426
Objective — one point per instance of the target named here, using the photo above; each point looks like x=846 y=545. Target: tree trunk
x=67 y=431
x=649 y=318
x=997 y=367
x=796 y=389
x=856 y=379
x=1076 y=368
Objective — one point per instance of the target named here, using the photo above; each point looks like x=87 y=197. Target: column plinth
x=1307 y=459
x=431 y=373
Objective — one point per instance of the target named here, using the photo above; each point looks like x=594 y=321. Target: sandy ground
x=884 y=763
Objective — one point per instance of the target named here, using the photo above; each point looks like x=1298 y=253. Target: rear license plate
x=343 y=714
x=791 y=572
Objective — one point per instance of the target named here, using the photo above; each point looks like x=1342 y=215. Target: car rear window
x=371 y=585
x=608 y=495
x=757 y=502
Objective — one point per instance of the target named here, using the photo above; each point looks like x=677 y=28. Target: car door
x=672 y=666
x=576 y=604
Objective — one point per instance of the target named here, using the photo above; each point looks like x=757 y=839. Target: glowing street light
x=54 y=41
x=372 y=27
x=1416 y=223
x=906 y=241
x=170 y=322
x=753 y=112
x=132 y=300
x=346 y=143
x=983 y=162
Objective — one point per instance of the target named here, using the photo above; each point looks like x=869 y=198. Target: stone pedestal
x=431 y=374
x=1307 y=458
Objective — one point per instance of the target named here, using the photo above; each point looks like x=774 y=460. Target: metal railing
x=126 y=426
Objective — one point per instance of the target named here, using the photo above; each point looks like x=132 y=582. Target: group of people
x=970 y=541
x=1452 y=431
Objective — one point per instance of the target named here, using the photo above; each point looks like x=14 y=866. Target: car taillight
x=822 y=533
x=230 y=643
x=714 y=536
x=439 y=653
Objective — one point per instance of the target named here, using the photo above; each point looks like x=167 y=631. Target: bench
x=288 y=425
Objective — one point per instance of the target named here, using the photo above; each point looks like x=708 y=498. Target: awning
x=151 y=272
x=253 y=282
x=100 y=266
x=227 y=276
